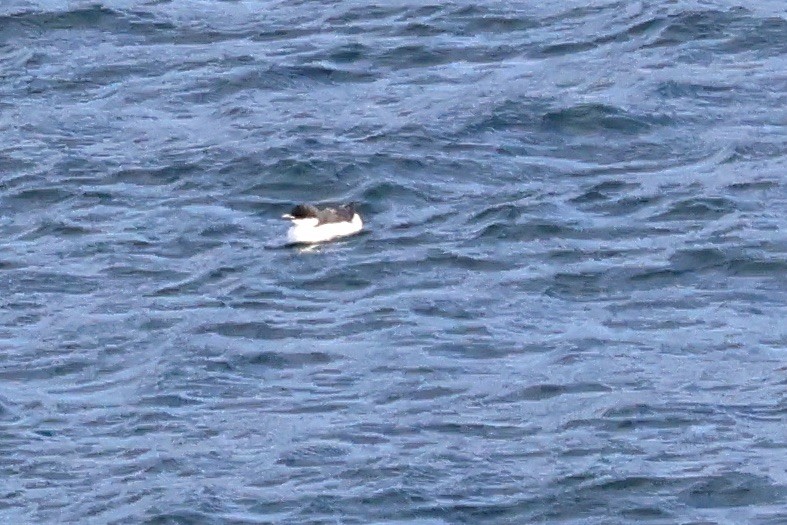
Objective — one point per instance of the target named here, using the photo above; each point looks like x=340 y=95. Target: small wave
x=40 y=197
x=529 y=231
x=523 y=113
x=547 y=391
x=249 y=330
x=717 y=94
x=594 y=118
x=7 y=412
x=499 y=213
x=282 y=360
x=393 y=191
x=415 y=56
x=697 y=259
x=58 y=229
x=79 y=18
x=168 y=400
x=760 y=185
x=584 y=285
x=365 y=13
x=349 y=53
x=733 y=489
x=764 y=37
x=482 y=19
x=700 y=208
x=627 y=205
x=315 y=455
x=422 y=393
x=691 y=26
x=636 y=30
x=162 y=176
x=758 y=267
x=65 y=283
x=275 y=78
x=47 y=369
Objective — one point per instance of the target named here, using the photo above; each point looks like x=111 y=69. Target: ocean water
x=568 y=305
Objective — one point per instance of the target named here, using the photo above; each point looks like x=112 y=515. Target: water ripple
x=566 y=307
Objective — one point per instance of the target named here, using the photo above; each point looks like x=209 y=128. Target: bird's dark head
x=301 y=211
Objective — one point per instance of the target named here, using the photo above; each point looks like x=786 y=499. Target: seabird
x=312 y=225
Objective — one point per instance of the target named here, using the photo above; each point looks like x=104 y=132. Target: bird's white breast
x=306 y=231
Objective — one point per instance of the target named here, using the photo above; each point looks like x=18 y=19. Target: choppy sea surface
x=569 y=304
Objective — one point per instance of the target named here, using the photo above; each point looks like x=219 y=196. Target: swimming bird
x=312 y=225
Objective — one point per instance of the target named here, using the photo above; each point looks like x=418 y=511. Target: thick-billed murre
x=312 y=225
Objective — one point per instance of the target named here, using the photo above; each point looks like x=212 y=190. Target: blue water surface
x=568 y=305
